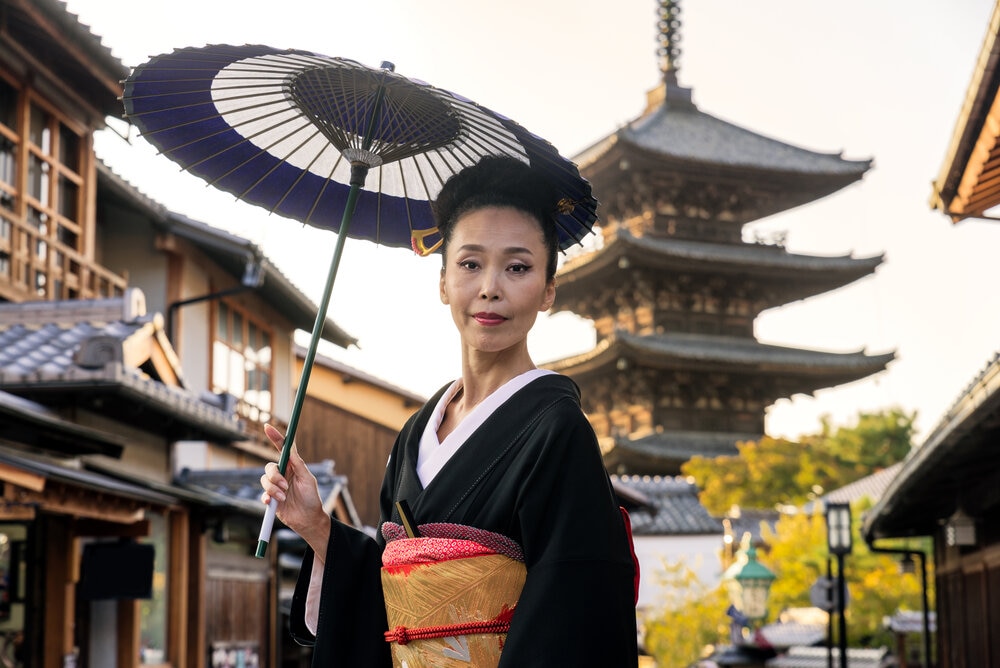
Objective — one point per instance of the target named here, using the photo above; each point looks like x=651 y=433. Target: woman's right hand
x=299 y=505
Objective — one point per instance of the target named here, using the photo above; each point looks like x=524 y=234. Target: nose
x=490 y=289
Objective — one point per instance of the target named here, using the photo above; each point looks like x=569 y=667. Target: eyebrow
x=510 y=250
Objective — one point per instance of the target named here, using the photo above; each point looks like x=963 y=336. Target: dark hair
x=500 y=181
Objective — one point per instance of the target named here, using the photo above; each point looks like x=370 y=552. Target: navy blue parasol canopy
x=281 y=128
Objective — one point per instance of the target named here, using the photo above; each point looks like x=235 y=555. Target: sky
x=867 y=79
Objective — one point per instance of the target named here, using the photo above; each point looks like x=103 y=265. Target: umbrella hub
x=360 y=155
x=374 y=110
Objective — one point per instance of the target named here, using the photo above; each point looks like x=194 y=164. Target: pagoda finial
x=669 y=39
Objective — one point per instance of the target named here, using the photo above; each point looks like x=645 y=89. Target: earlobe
x=444 y=293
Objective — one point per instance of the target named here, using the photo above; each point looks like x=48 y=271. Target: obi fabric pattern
x=449 y=594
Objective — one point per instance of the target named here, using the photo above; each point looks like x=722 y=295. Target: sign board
x=824 y=594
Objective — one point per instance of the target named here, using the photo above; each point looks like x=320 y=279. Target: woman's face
x=494 y=278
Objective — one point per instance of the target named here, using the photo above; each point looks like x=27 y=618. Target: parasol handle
x=357 y=181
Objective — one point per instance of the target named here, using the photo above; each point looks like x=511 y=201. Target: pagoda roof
x=798 y=370
x=672 y=136
x=667 y=450
x=813 y=274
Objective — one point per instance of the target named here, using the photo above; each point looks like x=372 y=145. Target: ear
x=549 y=298
x=444 y=293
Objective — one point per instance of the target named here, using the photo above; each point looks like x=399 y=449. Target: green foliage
x=774 y=472
x=690 y=621
x=876 y=588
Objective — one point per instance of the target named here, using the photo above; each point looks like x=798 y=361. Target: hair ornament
x=417 y=238
x=565 y=206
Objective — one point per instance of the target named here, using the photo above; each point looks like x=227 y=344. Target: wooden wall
x=359 y=448
x=968 y=602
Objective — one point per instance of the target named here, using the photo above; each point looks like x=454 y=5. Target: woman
x=501 y=459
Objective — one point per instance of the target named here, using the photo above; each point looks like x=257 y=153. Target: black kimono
x=533 y=472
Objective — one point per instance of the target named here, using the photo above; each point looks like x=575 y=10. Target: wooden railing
x=33 y=267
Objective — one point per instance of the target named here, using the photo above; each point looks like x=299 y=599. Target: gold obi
x=448 y=602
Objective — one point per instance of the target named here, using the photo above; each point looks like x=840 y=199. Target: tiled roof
x=733 y=352
x=671 y=507
x=816 y=657
x=243 y=484
x=683 y=445
x=956 y=466
x=42 y=358
x=871 y=486
x=719 y=258
x=686 y=133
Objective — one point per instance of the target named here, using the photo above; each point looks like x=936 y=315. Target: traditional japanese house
x=949 y=487
x=673 y=289
x=135 y=343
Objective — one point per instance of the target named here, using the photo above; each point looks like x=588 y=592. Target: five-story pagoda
x=674 y=289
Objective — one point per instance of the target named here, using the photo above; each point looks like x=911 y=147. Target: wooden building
x=135 y=344
x=673 y=289
x=949 y=486
x=353 y=418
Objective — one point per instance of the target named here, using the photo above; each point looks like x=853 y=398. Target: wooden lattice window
x=242 y=361
x=46 y=245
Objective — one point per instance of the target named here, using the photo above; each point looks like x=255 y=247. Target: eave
x=968 y=183
x=59 y=47
x=796 y=276
x=235 y=255
x=685 y=145
x=30 y=424
x=956 y=466
x=794 y=370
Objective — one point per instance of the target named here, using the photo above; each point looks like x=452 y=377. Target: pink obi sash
x=450 y=594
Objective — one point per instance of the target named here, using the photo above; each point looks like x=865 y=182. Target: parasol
x=334 y=144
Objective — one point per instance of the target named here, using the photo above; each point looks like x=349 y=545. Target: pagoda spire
x=670 y=93
x=669 y=39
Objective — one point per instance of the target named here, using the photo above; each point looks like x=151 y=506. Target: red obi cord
x=403 y=635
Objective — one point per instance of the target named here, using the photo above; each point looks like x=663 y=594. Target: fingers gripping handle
x=265 y=528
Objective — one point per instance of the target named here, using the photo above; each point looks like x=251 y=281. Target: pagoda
x=673 y=289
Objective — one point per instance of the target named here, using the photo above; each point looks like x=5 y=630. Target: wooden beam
x=60 y=591
x=99 y=528
x=129 y=633
x=178 y=609
x=22 y=478
x=82 y=503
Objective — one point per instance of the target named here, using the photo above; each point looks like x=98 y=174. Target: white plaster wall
x=700 y=553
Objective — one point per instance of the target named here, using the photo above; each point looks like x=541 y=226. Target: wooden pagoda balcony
x=35 y=267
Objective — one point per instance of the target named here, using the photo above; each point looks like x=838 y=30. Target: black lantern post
x=839 y=543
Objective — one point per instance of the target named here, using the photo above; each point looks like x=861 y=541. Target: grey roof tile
x=672 y=507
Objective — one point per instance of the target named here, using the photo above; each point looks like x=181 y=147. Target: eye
x=469 y=264
x=519 y=268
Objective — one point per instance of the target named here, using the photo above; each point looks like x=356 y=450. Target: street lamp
x=750 y=585
x=839 y=542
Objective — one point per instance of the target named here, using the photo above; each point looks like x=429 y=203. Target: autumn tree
x=772 y=472
x=688 y=621
x=876 y=587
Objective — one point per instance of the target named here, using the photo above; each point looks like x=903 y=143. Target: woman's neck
x=482 y=375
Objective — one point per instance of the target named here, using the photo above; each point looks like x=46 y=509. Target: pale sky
x=868 y=79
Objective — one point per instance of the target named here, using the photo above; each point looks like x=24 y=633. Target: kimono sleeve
x=577 y=607
x=352 y=617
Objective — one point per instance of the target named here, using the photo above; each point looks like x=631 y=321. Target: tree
x=773 y=472
x=876 y=588
x=689 y=621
